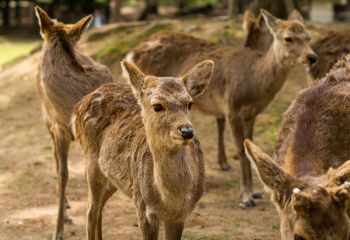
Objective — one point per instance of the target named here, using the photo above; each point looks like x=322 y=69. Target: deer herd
x=138 y=137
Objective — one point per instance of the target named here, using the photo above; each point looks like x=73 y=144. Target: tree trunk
x=276 y=7
x=150 y=8
x=6 y=14
x=116 y=13
x=233 y=8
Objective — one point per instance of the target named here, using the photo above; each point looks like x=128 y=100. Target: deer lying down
x=65 y=76
x=308 y=178
x=144 y=145
x=244 y=80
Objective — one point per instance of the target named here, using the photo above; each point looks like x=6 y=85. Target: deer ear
x=197 y=79
x=45 y=22
x=278 y=182
x=81 y=26
x=270 y=20
x=296 y=16
x=136 y=77
x=248 y=20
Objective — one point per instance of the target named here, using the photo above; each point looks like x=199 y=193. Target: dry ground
x=28 y=179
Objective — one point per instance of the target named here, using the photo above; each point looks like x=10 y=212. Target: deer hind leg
x=52 y=134
x=221 y=145
x=61 y=148
x=100 y=190
x=237 y=126
x=173 y=231
x=248 y=126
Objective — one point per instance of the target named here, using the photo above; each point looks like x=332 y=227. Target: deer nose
x=312 y=59
x=186 y=132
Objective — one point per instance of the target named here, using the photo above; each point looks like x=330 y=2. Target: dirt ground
x=28 y=180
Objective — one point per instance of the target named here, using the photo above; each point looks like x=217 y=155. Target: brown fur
x=244 y=80
x=312 y=154
x=131 y=147
x=65 y=76
x=330 y=48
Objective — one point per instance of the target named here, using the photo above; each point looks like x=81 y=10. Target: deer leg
x=248 y=133
x=221 y=145
x=61 y=148
x=52 y=135
x=100 y=190
x=246 y=176
x=173 y=231
x=149 y=224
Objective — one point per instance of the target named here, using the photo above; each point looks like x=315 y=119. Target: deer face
x=166 y=102
x=52 y=29
x=310 y=209
x=291 y=44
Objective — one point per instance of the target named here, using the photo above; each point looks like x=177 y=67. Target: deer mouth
x=179 y=140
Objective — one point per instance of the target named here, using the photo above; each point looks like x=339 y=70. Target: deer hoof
x=247 y=204
x=57 y=237
x=257 y=195
x=225 y=167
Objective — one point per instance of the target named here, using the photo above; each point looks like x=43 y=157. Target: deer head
x=291 y=43
x=51 y=28
x=166 y=101
x=309 y=209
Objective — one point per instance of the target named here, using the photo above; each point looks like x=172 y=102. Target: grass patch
x=13 y=49
x=209 y=238
x=118 y=49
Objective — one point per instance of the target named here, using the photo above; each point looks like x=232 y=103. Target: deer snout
x=312 y=58
x=186 y=132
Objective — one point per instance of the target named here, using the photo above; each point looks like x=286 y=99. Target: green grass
x=120 y=47
x=11 y=50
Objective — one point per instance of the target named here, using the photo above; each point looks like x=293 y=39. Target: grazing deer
x=143 y=144
x=65 y=76
x=308 y=179
x=330 y=48
x=244 y=80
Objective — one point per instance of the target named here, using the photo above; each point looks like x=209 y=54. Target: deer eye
x=158 y=107
x=288 y=40
x=298 y=237
x=189 y=105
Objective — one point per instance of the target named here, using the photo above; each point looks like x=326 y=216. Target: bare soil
x=28 y=179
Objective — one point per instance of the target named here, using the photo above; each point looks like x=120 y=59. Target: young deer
x=65 y=76
x=143 y=144
x=308 y=179
x=244 y=80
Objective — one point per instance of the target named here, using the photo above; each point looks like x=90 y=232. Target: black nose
x=186 y=132
x=312 y=59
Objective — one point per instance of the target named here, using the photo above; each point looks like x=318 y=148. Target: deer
x=140 y=140
x=244 y=80
x=330 y=47
x=65 y=76
x=308 y=177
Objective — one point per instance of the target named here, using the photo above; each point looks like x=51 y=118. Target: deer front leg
x=149 y=224
x=237 y=126
x=61 y=148
x=221 y=145
x=248 y=126
x=173 y=231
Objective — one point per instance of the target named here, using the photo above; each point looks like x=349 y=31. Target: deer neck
x=171 y=169
x=271 y=73
x=60 y=54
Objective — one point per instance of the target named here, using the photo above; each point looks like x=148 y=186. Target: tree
x=151 y=7
x=116 y=13
x=233 y=8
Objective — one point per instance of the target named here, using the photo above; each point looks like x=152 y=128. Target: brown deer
x=244 y=80
x=308 y=179
x=330 y=48
x=65 y=76
x=144 y=145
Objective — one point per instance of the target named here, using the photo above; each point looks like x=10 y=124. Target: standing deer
x=244 y=80
x=65 y=76
x=143 y=144
x=308 y=179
